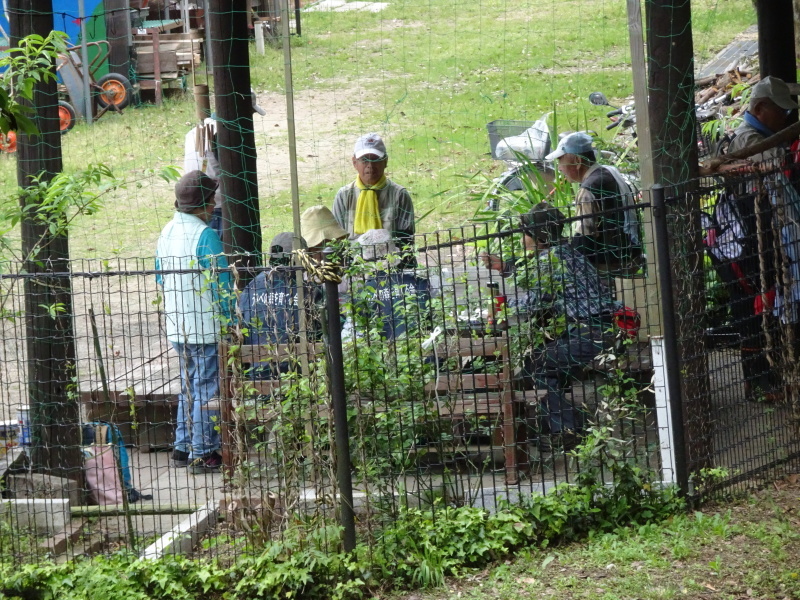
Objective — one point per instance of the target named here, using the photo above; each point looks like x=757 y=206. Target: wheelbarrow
x=111 y=91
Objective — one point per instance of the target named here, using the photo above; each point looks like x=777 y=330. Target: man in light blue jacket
x=196 y=287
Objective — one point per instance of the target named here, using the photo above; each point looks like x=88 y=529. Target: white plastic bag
x=533 y=143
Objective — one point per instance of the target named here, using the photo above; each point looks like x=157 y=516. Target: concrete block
x=46 y=516
x=184 y=536
x=37 y=485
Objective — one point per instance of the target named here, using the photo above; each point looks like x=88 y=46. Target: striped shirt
x=561 y=281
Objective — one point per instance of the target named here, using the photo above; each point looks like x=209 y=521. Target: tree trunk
x=673 y=125
x=235 y=136
x=52 y=393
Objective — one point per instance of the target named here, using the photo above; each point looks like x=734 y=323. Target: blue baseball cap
x=574 y=143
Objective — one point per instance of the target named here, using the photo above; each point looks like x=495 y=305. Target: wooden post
x=48 y=297
x=776 y=43
x=674 y=147
x=652 y=316
x=118 y=34
x=776 y=51
x=259 y=33
x=236 y=143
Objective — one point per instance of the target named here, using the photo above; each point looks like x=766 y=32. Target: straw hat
x=318 y=224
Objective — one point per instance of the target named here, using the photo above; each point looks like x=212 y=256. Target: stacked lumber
x=725 y=90
x=179 y=54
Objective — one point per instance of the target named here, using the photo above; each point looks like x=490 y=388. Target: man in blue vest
x=270 y=304
x=196 y=287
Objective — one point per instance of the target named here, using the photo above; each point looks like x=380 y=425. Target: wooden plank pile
x=178 y=54
x=725 y=90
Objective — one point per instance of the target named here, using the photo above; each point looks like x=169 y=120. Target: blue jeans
x=197 y=429
x=552 y=367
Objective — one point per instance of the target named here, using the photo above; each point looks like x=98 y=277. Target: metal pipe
x=339 y=400
x=87 y=90
x=670 y=333
x=290 y=125
x=207 y=35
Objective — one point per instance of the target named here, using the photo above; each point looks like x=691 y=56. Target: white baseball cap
x=776 y=90
x=370 y=143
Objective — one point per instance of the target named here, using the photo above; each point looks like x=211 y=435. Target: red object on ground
x=8 y=142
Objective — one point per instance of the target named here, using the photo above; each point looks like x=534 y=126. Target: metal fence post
x=670 y=332
x=339 y=399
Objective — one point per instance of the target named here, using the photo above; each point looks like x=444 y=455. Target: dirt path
x=325 y=128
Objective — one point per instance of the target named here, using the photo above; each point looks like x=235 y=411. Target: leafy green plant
x=32 y=61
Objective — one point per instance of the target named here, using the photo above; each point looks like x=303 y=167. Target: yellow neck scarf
x=368 y=216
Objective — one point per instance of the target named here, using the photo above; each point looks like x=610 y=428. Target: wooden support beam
x=236 y=142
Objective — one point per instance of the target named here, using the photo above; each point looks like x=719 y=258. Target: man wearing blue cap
x=607 y=232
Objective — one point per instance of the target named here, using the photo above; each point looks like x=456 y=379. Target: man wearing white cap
x=769 y=108
x=372 y=201
x=607 y=232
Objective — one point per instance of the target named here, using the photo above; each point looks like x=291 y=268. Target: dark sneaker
x=180 y=459
x=207 y=463
x=544 y=445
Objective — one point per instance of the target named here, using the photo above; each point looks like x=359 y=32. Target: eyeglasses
x=370 y=158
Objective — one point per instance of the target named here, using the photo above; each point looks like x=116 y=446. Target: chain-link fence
x=733 y=266
x=469 y=372
x=466 y=373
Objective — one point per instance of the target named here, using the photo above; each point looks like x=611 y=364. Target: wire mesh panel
x=739 y=396
x=448 y=403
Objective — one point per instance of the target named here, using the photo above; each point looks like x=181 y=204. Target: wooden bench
x=491 y=395
x=458 y=397
x=142 y=400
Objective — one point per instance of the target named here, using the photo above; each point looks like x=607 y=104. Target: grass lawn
x=742 y=551
x=427 y=75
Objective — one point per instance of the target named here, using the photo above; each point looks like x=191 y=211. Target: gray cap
x=194 y=190
x=579 y=142
x=283 y=243
x=776 y=90
x=282 y=246
x=544 y=222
